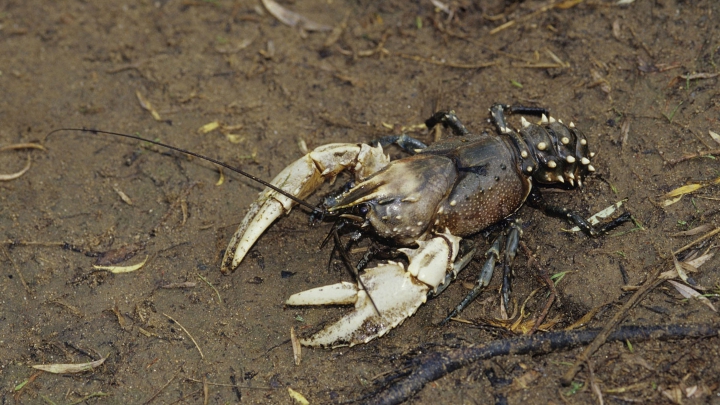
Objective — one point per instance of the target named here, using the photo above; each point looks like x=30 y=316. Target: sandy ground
x=612 y=69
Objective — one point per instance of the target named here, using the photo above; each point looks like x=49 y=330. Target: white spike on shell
x=524 y=122
x=561 y=179
x=591 y=168
x=585 y=161
x=552 y=119
x=572 y=124
x=570 y=159
x=565 y=140
x=542 y=146
x=552 y=164
x=543 y=119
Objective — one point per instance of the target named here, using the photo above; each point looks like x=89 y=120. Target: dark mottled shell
x=467 y=183
x=559 y=151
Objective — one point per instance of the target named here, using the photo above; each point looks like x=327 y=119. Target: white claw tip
x=572 y=183
x=524 y=122
x=591 y=168
x=570 y=159
x=543 y=119
x=571 y=176
x=561 y=179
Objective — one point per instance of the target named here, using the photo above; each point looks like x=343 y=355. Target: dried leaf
x=144 y=103
x=568 y=4
x=441 y=6
x=336 y=32
x=697 y=262
x=122 y=269
x=684 y=190
x=236 y=139
x=186 y=284
x=674 y=395
x=586 y=318
x=696 y=76
x=671 y=201
x=689 y=293
x=209 y=127
x=13 y=176
x=679 y=269
x=122 y=195
x=302 y=146
x=637 y=359
x=229 y=49
x=221 y=179
x=715 y=136
x=297 y=348
x=69 y=368
x=18 y=146
x=291 y=18
x=298 y=397
x=698 y=230
x=524 y=381
x=675 y=195
x=595 y=219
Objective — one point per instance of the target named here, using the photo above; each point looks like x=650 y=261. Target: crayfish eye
x=363 y=209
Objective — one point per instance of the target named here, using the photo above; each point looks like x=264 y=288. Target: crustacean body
x=424 y=204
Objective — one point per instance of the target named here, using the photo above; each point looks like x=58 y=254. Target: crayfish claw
x=396 y=295
x=300 y=179
x=343 y=293
x=392 y=293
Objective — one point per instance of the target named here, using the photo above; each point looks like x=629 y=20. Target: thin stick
x=206 y=391
x=694 y=155
x=188 y=333
x=152 y=398
x=228 y=385
x=449 y=64
x=543 y=314
x=609 y=327
x=17 y=270
x=17 y=146
x=211 y=286
x=32 y=243
x=700 y=239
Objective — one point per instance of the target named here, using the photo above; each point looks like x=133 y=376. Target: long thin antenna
x=322 y=213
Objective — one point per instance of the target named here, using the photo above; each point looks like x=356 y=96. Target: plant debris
x=69 y=368
x=122 y=269
x=292 y=18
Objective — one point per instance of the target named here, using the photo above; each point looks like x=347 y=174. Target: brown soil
x=80 y=64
